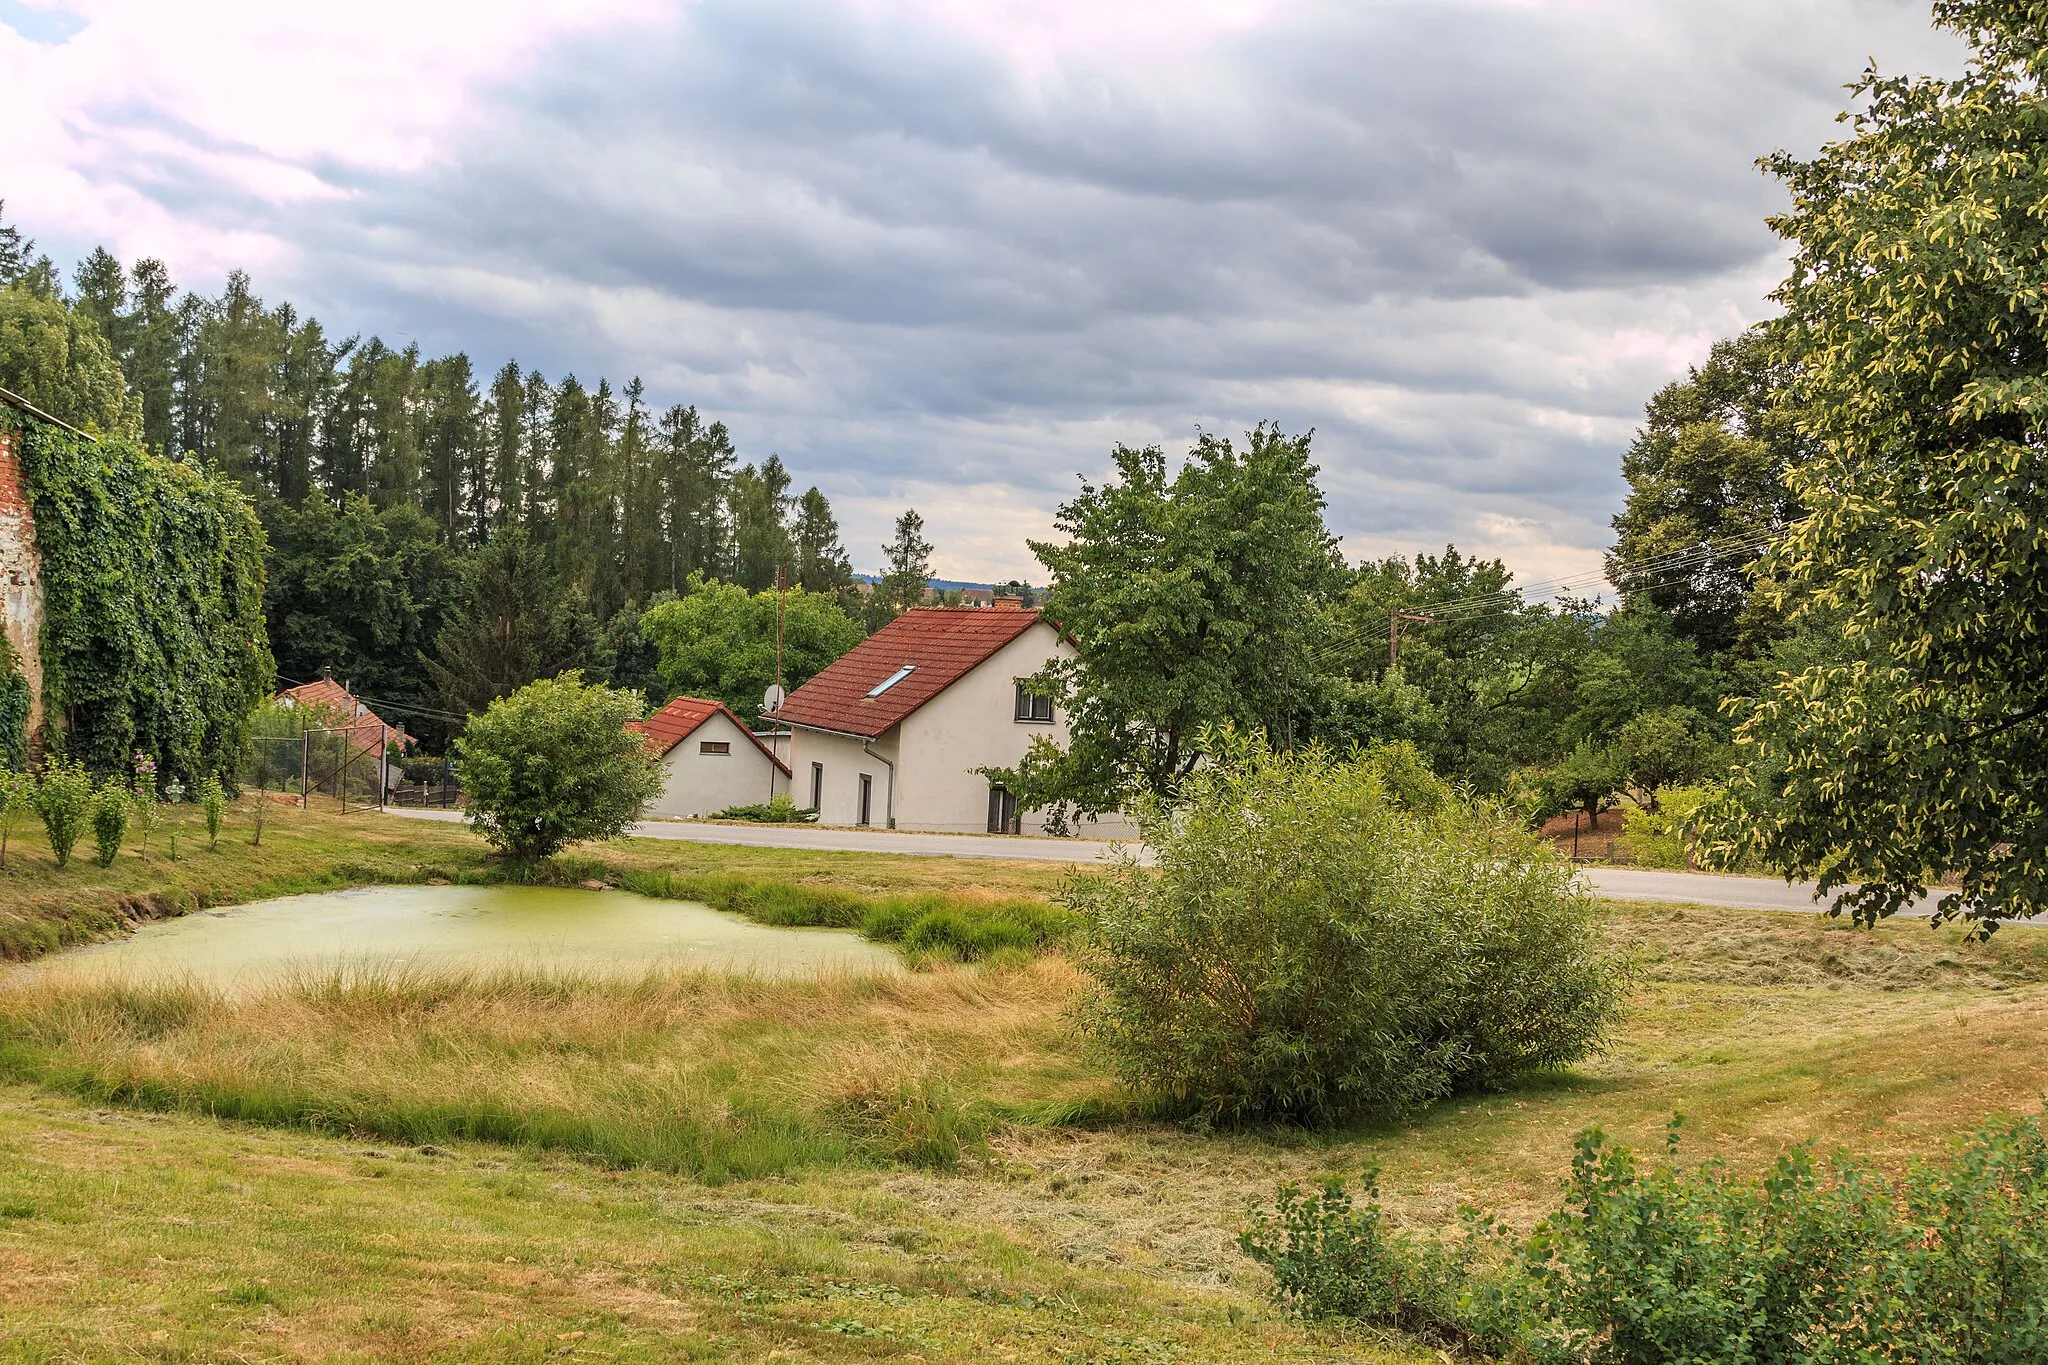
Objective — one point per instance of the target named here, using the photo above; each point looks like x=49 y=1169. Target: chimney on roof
x=1008 y=601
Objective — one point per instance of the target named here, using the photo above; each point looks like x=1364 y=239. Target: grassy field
x=920 y=1168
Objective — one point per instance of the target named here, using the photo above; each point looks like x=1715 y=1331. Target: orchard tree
x=555 y=763
x=1915 y=338
x=1193 y=598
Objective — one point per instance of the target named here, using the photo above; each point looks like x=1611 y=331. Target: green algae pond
x=483 y=929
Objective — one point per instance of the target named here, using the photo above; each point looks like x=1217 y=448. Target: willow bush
x=1321 y=940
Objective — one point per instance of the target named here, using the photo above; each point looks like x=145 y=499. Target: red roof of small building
x=940 y=645
x=681 y=718
x=365 y=726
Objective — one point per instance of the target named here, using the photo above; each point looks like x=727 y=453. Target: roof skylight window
x=898 y=676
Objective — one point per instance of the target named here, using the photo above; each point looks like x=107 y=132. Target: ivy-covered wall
x=152 y=573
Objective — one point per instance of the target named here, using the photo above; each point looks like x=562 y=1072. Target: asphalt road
x=1614 y=883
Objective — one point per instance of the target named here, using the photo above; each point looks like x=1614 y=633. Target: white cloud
x=947 y=252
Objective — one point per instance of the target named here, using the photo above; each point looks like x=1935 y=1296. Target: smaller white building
x=900 y=732
x=710 y=762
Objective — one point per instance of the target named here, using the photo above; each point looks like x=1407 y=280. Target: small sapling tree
x=63 y=799
x=142 y=794
x=109 y=821
x=17 y=797
x=174 y=793
x=213 y=803
x=554 y=763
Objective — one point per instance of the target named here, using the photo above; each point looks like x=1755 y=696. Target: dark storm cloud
x=1463 y=241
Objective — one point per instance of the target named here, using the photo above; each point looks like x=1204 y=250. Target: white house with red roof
x=895 y=732
x=331 y=705
x=710 y=761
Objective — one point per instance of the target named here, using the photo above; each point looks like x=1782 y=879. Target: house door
x=1002 y=810
x=867 y=798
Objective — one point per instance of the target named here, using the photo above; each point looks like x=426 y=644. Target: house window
x=715 y=746
x=817 y=786
x=867 y=799
x=898 y=676
x=1002 y=810
x=1031 y=707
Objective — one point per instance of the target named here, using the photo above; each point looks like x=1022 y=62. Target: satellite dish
x=772 y=699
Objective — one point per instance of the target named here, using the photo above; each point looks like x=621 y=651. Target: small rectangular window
x=817 y=786
x=1033 y=707
x=898 y=676
x=867 y=799
x=715 y=746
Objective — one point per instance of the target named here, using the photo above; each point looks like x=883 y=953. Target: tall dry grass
x=710 y=1075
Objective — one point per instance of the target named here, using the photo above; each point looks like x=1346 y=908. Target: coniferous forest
x=439 y=532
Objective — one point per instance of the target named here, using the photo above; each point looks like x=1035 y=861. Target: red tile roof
x=365 y=727
x=678 y=720
x=940 y=644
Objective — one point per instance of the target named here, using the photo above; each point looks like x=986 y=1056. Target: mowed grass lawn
x=924 y=1167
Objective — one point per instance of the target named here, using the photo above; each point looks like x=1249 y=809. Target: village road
x=1613 y=883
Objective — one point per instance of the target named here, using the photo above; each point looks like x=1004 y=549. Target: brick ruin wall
x=21 y=576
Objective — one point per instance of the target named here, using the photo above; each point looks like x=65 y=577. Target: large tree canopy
x=1916 y=340
x=717 y=640
x=1194 y=601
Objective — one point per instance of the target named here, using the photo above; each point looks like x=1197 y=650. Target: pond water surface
x=473 y=928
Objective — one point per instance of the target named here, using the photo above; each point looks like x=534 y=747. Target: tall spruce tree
x=907 y=568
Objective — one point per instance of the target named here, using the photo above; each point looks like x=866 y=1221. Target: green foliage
x=54 y=357
x=64 y=800
x=1586 y=779
x=1332 y=1259
x=554 y=763
x=907 y=571
x=1708 y=468
x=1810 y=1265
x=1915 y=335
x=16 y=701
x=213 y=802
x=717 y=640
x=17 y=798
x=1830 y=1265
x=779 y=810
x=1666 y=835
x=360 y=590
x=142 y=795
x=109 y=820
x=153 y=593
x=516 y=623
x=1660 y=747
x=1308 y=947
x=961 y=928
x=1193 y=600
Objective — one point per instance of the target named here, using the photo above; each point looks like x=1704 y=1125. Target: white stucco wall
x=698 y=784
x=843 y=764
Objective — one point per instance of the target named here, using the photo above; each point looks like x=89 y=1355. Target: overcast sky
x=946 y=253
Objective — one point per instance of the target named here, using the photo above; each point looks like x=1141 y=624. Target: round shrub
x=1312 y=947
x=63 y=800
x=109 y=821
x=553 y=764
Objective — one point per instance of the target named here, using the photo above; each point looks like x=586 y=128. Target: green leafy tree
x=1915 y=334
x=717 y=640
x=363 y=591
x=1664 y=747
x=1586 y=778
x=1194 y=601
x=54 y=357
x=64 y=798
x=553 y=764
x=1706 y=476
x=109 y=820
x=17 y=798
x=213 y=803
x=514 y=623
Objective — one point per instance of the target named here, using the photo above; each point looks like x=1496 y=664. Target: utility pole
x=1394 y=620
